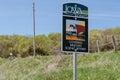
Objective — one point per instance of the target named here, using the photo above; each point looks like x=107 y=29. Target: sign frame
x=74 y=13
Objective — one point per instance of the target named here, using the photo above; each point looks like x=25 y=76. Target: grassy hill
x=103 y=66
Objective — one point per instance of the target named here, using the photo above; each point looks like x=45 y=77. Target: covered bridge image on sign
x=75 y=32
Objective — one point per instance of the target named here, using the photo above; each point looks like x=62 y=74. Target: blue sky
x=16 y=15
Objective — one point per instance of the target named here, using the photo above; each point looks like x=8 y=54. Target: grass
x=102 y=66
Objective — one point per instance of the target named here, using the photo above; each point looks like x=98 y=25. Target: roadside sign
x=75 y=28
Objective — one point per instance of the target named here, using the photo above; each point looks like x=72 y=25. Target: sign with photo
x=75 y=28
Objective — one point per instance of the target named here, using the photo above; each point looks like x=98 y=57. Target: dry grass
x=104 y=66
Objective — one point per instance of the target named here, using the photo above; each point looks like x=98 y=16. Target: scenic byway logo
x=75 y=30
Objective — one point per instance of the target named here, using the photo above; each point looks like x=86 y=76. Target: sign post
x=74 y=66
x=75 y=31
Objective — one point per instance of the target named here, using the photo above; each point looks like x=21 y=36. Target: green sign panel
x=75 y=28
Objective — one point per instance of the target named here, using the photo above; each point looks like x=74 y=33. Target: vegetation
x=103 y=66
x=22 y=46
x=105 y=39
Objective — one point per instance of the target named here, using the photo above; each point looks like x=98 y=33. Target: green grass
x=102 y=66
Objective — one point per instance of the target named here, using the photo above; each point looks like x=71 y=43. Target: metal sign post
x=74 y=66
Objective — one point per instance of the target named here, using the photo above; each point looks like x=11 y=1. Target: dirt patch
x=51 y=67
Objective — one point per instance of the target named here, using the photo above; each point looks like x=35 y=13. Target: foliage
x=50 y=44
x=22 y=46
x=55 y=42
x=104 y=37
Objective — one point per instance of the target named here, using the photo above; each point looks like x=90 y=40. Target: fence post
x=114 y=43
x=97 y=44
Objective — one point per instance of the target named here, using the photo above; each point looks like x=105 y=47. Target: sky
x=16 y=15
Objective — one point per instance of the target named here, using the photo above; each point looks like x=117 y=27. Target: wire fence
x=111 y=43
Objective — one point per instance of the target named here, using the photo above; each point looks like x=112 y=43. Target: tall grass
x=103 y=66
